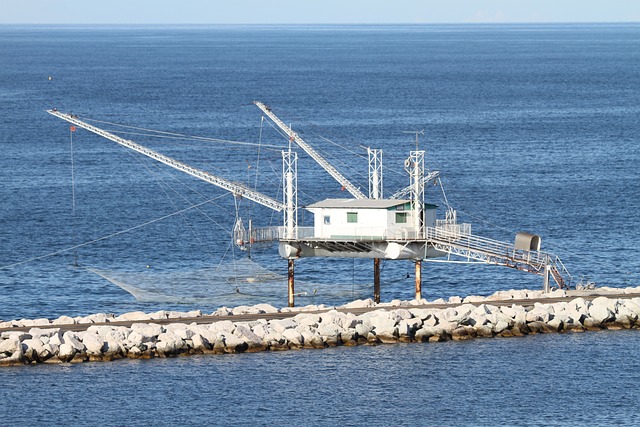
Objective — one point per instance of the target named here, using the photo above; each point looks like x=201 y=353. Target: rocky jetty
x=308 y=327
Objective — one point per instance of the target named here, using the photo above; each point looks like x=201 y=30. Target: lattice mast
x=375 y=173
x=290 y=193
x=415 y=167
x=311 y=152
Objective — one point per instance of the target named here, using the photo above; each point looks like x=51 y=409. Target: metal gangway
x=457 y=240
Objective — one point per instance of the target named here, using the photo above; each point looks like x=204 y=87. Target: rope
x=174 y=135
x=73 y=197
x=108 y=236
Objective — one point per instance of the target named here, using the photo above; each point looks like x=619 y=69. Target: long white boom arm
x=236 y=188
x=406 y=190
x=313 y=153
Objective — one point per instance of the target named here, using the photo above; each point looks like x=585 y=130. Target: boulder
x=455 y=300
x=244 y=309
x=226 y=326
x=265 y=308
x=66 y=352
x=407 y=328
x=329 y=332
x=135 y=339
x=282 y=324
x=462 y=333
x=293 y=337
x=360 y=303
x=311 y=340
x=133 y=316
x=602 y=310
x=169 y=344
x=64 y=320
x=10 y=345
x=180 y=330
x=253 y=340
x=484 y=331
x=307 y=320
x=235 y=344
x=73 y=339
x=194 y=313
x=149 y=331
x=200 y=343
x=98 y=318
x=93 y=343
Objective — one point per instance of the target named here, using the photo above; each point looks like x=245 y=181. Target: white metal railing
x=460 y=243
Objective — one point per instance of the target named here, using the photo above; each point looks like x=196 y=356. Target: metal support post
x=290 y=283
x=547 y=271
x=376 y=280
x=418 y=280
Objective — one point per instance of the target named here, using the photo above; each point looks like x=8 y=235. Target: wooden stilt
x=291 y=283
x=376 y=280
x=418 y=280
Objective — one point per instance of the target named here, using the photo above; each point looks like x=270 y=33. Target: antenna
x=416 y=132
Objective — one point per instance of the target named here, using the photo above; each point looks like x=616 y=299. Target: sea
x=533 y=128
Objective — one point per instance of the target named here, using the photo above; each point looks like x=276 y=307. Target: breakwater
x=103 y=337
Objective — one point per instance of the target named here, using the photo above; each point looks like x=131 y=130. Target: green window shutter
x=352 y=217
x=401 y=217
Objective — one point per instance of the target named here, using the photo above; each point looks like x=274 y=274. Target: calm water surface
x=535 y=129
x=566 y=379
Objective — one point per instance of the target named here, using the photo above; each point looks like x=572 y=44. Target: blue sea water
x=534 y=128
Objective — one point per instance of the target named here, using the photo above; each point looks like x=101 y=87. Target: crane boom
x=236 y=188
x=311 y=152
x=406 y=190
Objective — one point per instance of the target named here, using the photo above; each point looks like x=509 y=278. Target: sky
x=315 y=11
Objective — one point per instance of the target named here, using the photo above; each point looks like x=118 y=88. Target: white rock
x=363 y=329
x=133 y=316
x=148 y=330
x=293 y=337
x=180 y=330
x=452 y=300
x=307 y=320
x=56 y=339
x=93 y=343
x=99 y=318
x=282 y=324
x=37 y=332
x=500 y=326
x=265 y=308
x=602 y=309
x=194 y=313
x=407 y=327
x=223 y=326
x=244 y=309
x=64 y=320
x=222 y=311
x=73 y=339
x=360 y=303
x=235 y=344
x=135 y=339
x=247 y=335
x=200 y=343
x=66 y=352
x=169 y=344
x=631 y=305
x=10 y=345
x=328 y=331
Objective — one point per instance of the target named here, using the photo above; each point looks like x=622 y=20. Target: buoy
x=148 y=266
x=50 y=78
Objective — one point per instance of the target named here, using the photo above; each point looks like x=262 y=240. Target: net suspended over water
x=241 y=282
